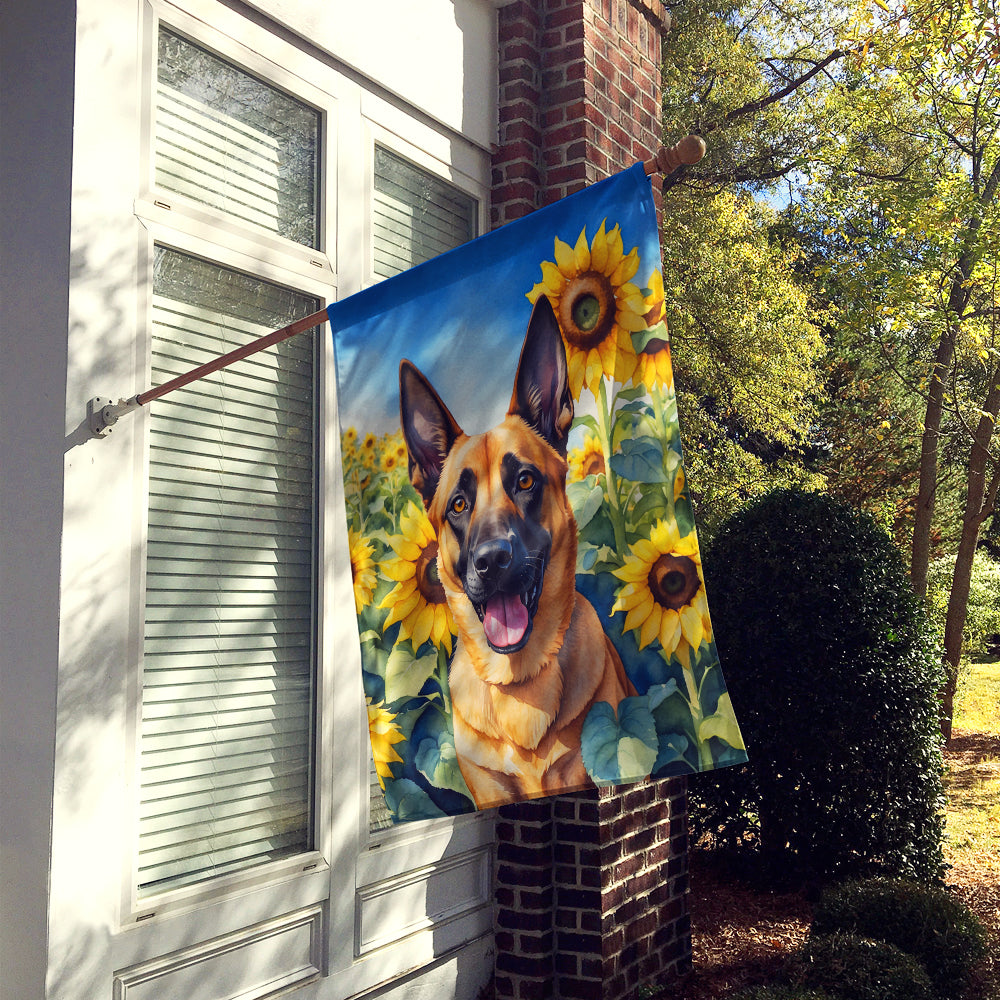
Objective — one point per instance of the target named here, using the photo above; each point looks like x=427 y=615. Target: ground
x=741 y=935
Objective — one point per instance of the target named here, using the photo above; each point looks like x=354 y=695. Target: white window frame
x=350 y=874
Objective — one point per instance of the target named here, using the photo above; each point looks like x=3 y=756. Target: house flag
x=527 y=578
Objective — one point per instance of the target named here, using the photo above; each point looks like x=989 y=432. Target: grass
x=973 y=784
x=978 y=697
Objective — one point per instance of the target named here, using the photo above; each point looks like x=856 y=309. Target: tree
x=748 y=355
x=913 y=185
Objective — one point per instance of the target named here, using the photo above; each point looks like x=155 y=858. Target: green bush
x=982 y=618
x=857 y=968
x=925 y=922
x=782 y=993
x=834 y=676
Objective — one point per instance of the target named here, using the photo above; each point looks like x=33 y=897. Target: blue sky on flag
x=469 y=308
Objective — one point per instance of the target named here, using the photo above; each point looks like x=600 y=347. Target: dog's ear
x=428 y=429
x=541 y=388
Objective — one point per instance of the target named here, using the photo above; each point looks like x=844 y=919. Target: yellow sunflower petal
x=670 y=630
x=399 y=569
x=565 y=258
x=641 y=612
x=420 y=628
x=582 y=252
x=402 y=608
x=692 y=626
x=650 y=628
x=616 y=250
x=552 y=278
x=599 y=250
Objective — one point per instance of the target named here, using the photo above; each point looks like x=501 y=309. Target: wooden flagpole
x=102 y=413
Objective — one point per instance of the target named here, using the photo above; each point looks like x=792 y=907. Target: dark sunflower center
x=673 y=581
x=428 y=581
x=587 y=310
x=594 y=465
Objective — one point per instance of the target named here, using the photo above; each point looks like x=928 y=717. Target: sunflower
x=586 y=461
x=663 y=592
x=362 y=568
x=349 y=441
x=596 y=305
x=417 y=601
x=369 y=449
x=393 y=453
x=653 y=361
x=384 y=733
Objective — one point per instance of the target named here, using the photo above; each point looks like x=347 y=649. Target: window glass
x=416 y=215
x=233 y=142
x=228 y=658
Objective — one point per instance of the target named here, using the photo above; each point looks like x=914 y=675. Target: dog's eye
x=458 y=505
x=525 y=481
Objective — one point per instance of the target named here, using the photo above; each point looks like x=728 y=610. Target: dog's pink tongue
x=505 y=620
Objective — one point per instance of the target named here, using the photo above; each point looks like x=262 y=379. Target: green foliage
x=748 y=354
x=782 y=992
x=835 y=674
x=926 y=922
x=983 y=611
x=857 y=968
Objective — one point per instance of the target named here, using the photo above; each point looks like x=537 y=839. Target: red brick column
x=591 y=889
x=579 y=96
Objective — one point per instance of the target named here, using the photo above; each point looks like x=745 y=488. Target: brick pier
x=591 y=889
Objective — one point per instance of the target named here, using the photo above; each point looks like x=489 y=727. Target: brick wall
x=591 y=889
x=579 y=96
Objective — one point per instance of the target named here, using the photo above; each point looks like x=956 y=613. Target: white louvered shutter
x=227 y=706
x=228 y=674
x=416 y=217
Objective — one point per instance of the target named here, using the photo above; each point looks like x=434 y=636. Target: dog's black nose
x=493 y=557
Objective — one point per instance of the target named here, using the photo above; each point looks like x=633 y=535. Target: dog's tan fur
x=518 y=716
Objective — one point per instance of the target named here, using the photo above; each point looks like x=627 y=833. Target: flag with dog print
x=530 y=602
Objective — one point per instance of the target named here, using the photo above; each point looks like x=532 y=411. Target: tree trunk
x=920 y=553
x=979 y=501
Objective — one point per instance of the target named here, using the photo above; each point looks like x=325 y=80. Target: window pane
x=228 y=140
x=228 y=679
x=417 y=215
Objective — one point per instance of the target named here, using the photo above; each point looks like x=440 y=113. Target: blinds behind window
x=227 y=699
x=230 y=141
x=416 y=217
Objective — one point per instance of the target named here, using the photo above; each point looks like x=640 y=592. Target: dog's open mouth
x=506 y=619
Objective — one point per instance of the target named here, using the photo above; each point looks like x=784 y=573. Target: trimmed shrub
x=782 y=993
x=925 y=922
x=857 y=968
x=834 y=674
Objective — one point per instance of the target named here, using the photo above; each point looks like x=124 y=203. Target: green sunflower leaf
x=640 y=461
x=407 y=800
x=437 y=761
x=620 y=747
x=722 y=725
x=586 y=501
x=642 y=338
x=406 y=674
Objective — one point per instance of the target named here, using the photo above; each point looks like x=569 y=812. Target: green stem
x=604 y=430
x=698 y=717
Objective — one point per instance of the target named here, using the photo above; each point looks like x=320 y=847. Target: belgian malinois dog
x=531 y=656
